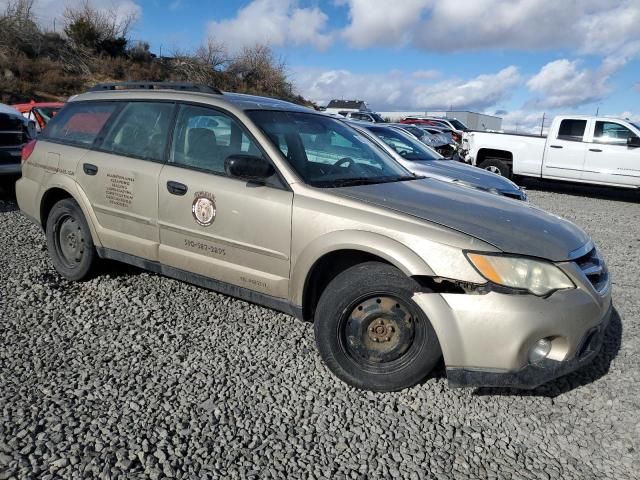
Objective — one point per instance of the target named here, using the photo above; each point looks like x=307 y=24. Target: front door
x=224 y=228
x=120 y=177
x=609 y=159
x=564 y=156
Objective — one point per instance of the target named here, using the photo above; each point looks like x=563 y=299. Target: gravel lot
x=132 y=375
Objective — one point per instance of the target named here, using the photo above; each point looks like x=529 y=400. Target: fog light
x=540 y=350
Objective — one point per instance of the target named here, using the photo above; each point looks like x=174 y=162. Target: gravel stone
x=134 y=375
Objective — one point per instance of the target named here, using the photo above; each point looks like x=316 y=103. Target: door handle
x=555 y=146
x=176 y=188
x=89 y=168
x=595 y=150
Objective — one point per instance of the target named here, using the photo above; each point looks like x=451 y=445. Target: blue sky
x=517 y=57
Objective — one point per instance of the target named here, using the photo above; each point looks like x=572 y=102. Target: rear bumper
x=10 y=163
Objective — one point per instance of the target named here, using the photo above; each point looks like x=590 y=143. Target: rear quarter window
x=572 y=130
x=79 y=123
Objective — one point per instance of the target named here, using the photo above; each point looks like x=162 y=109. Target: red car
x=39 y=112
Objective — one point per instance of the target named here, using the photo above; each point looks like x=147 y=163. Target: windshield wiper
x=352 y=182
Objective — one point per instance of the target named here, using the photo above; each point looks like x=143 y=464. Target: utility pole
x=597 y=110
x=542 y=124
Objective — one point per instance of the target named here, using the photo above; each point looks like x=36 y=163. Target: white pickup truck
x=587 y=149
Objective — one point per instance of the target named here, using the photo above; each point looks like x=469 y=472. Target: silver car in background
x=422 y=160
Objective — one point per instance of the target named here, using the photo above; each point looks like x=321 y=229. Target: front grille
x=594 y=269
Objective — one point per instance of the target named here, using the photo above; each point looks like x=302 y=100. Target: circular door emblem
x=204 y=211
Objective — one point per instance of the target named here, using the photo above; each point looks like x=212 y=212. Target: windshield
x=458 y=124
x=635 y=125
x=404 y=145
x=325 y=152
x=377 y=117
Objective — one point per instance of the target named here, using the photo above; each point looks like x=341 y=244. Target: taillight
x=27 y=150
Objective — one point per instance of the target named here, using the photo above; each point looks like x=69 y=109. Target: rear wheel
x=370 y=333
x=69 y=240
x=497 y=166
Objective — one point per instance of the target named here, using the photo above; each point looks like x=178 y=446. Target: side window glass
x=141 y=131
x=79 y=123
x=611 y=133
x=204 y=138
x=572 y=130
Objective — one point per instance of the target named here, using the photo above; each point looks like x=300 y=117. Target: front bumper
x=486 y=338
x=534 y=375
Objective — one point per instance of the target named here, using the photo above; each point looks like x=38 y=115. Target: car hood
x=456 y=171
x=510 y=225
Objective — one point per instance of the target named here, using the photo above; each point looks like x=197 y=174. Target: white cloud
x=634 y=117
x=478 y=93
x=588 y=26
x=48 y=11
x=376 y=22
x=274 y=22
x=562 y=83
x=524 y=121
x=401 y=90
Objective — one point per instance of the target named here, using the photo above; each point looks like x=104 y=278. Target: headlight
x=538 y=277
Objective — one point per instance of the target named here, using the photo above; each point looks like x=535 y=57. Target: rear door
x=120 y=176
x=609 y=159
x=216 y=226
x=565 y=152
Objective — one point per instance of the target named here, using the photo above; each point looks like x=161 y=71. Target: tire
x=497 y=166
x=69 y=241
x=370 y=333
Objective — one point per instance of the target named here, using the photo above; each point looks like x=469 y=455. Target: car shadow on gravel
x=591 y=372
x=581 y=190
x=8 y=201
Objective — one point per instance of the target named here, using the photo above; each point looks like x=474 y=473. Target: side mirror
x=633 y=142
x=248 y=167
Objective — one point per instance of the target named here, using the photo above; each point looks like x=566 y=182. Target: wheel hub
x=69 y=241
x=379 y=330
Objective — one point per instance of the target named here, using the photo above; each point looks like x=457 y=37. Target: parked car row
x=420 y=159
x=325 y=220
x=39 y=112
x=15 y=132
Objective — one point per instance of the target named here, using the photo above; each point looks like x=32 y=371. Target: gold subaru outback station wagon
x=292 y=209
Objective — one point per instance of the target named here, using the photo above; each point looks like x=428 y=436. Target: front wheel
x=497 y=166
x=370 y=333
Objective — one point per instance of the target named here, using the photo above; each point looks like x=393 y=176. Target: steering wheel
x=343 y=161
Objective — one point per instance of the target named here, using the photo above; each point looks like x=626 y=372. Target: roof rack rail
x=182 y=86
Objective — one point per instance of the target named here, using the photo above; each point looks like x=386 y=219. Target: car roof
x=238 y=101
x=9 y=110
x=28 y=106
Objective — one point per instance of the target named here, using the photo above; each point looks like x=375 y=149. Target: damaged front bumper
x=486 y=339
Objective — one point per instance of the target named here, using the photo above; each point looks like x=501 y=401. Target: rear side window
x=141 y=131
x=204 y=138
x=572 y=130
x=79 y=123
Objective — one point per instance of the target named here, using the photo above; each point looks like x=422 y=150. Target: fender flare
x=394 y=252
x=70 y=186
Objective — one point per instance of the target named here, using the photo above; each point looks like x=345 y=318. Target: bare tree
x=212 y=53
x=260 y=71
x=104 y=24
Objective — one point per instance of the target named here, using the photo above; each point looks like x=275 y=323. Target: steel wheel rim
x=380 y=333
x=494 y=169
x=69 y=241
